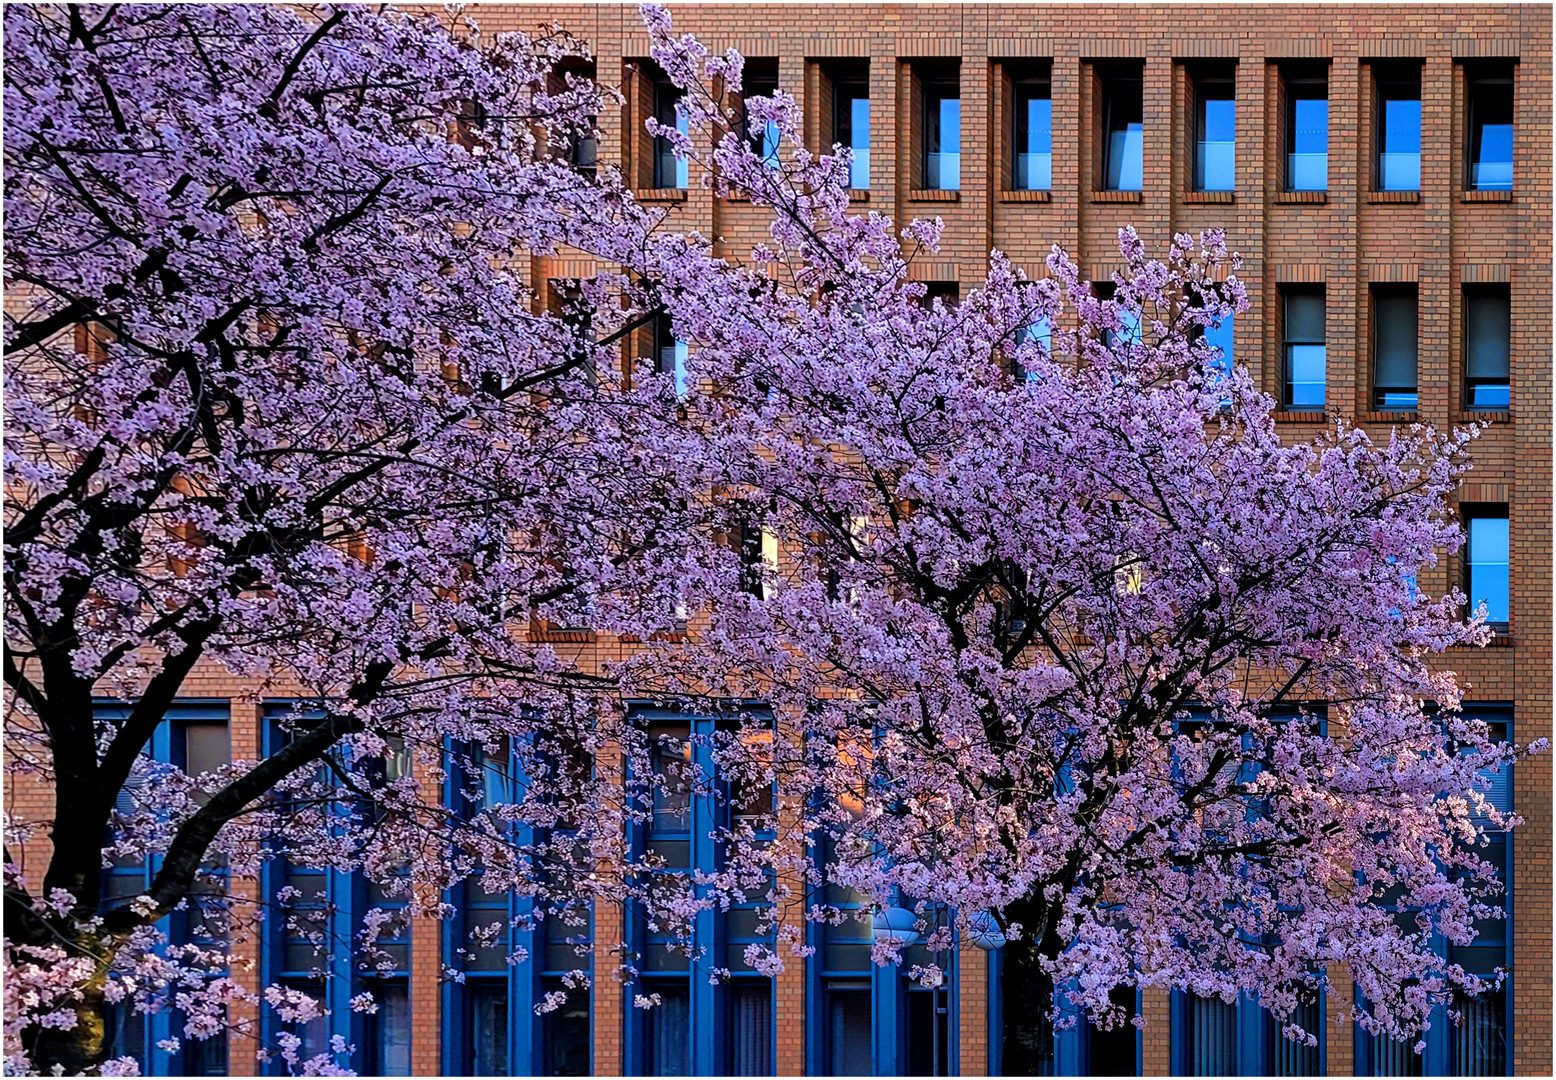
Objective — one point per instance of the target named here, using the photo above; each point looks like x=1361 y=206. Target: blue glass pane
x=1220 y=120
x=943 y=172
x=1220 y=336
x=1040 y=113
x=1306 y=375
x=1490 y=396
x=950 y=126
x=1308 y=172
x=1493 y=169
x=1217 y=166
x=1034 y=172
x=1399 y=164
x=859 y=118
x=1488 y=550
x=1311 y=117
x=1126 y=158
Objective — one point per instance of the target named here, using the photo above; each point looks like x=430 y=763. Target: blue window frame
x=194 y=736
x=1478 y=1046
x=698 y=1028
x=493 y=1009
x=314 y=944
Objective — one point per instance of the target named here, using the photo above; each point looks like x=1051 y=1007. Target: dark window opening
x=1032 y=161
x=1399 y=130
x=1305 y=350
x=1123 y=130
x=1394 y=332
x=1488 y=331
x=942 y=134
x=1490 y=93
x=1307 y=131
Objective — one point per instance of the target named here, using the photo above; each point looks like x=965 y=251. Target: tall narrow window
x=1208 y=1044
x=1112 y=1051
x=1306 y=369
x=488 y=1033
x=1219 y=336
x=1394 y=348
x=848 y=1028
x=582 y=150
x=942 y=133
x=851 y=124
x=751 y=1029
x=670 y=353
x=1307 y=132
x=1486 y=579
x=1123 y=127
x=1287 y=1057
x=565 y=1031
x=389 y=1030
x=1391 y=1057
x=1399 y=131
x=670 y=171
x=761 y=80
x=1491 y=130
x=668 y=1049
x=1034 y=117
x=1488 y=330
x=1215 y=123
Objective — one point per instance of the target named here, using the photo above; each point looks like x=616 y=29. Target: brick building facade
x=1355 y=157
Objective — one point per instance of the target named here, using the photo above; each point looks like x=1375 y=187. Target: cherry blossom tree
x=1065 y=636
x=1058 y=633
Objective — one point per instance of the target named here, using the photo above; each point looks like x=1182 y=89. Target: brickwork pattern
x=1348 y=238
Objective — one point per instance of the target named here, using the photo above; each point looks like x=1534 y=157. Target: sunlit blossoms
x=1051 y=637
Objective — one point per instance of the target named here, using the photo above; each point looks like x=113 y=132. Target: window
x=1394 y=348
x=1034 y=116
x=565 y=1030
x=1219 y=336
x=947 y=292
x=1304 y=348
x=929 y=1032
x=583 y=150
x=487 y=1035
x=1123 y=128
x=1038 y=333
x=1207 y=1045
x=848 y=1028
x=1486 y=562
x=1287 y=1057
x=670 y=171
x=1399 y=130
x=1307 y=132
x=851 y=123
x=751 y=1029
x=1491 y=129
x=670 y=353
x=1113 y=1052
x=1026 y=995
x=667 y=1042
x=942 y=167
x=388 y=1050
x=1390 y=1057
x=1215 y=128
x=1130 y=335
x=761 y=80
x=1488 y=329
